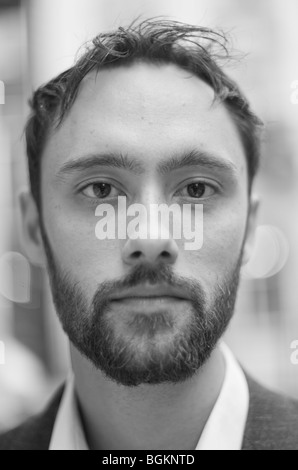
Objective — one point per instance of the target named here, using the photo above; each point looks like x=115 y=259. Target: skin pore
x=148 y=114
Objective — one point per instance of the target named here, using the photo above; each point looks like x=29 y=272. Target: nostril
x=165 y=254
x=136 y=254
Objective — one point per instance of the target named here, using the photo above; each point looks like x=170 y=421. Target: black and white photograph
x=149 y=227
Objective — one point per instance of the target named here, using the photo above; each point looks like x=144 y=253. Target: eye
x=99 y=190
x=198 y=190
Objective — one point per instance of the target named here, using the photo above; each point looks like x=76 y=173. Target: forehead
x=147 y=110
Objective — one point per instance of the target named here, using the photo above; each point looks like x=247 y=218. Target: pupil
x=102 y=189
x=196 y=189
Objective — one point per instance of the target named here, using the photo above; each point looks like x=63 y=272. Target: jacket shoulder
x=35 y=433
x=272 y=422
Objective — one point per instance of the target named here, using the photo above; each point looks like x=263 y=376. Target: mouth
x=149 y=302
x=148 y=293
x=149 y=299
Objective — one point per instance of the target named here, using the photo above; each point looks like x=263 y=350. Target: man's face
x=148 y=114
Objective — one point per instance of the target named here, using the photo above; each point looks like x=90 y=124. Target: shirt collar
x=68 y=433
x=224 y=429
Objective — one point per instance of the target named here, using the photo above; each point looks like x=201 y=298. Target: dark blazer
x=272 y=424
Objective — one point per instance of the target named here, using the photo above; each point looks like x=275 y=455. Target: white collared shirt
x=224 y=429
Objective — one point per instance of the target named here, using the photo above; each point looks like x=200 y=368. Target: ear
x=30 y=233
x=253 y=211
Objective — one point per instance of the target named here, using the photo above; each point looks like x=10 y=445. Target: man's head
x=147 y=114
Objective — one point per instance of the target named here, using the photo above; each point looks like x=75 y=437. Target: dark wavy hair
x=193 y=48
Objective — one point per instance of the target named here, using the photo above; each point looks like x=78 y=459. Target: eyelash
x=214 y=188
x=203 y=182
x=94 y=183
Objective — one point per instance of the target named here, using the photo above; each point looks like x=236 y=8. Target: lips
x=151 y=292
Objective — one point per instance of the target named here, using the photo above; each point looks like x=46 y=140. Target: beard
x=140 y=357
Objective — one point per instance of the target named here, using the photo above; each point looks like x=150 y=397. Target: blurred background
x=38 y=39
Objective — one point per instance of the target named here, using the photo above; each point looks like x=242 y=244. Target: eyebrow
x=176 y=162
x=197 y=158
x=97 y=160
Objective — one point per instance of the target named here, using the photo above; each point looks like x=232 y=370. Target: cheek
x=78 y=251
x=222 y=242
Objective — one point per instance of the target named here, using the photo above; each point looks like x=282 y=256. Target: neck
x=166 y=416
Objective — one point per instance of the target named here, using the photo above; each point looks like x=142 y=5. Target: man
x=147 y=114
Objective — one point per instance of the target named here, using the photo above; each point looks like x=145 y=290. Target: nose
x=150 y=250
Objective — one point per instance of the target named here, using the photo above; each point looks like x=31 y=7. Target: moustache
x=146 y=273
